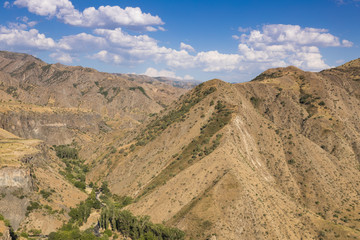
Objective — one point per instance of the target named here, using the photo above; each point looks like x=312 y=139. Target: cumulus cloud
x=281 y=45
x=186 y=47
x=82 y=42
x=152 y=72
x=108 y=57
x=214 y=61
x=62 y=57
x=25 y=40
x=292 y=34
x=103 y=17
x=272 y=46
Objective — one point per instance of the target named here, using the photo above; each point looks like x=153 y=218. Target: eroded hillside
x=274 y=158
x=87 y=97
x=34 y=195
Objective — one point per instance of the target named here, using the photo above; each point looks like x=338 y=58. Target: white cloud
x=282 y=45
x=82 y=42
x=20 y=39
x=103 y=17
x=347 y=43
x=273 y=46
x=241 y=29
x=292 y=34
x=108 y=57
x=187 y=47
x=152 y=72
x=62 y=57
x=213 y=61
x=25 y=20
x=6 y=4
x=46 y=7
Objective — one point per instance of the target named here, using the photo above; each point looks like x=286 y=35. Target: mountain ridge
x=274 y=158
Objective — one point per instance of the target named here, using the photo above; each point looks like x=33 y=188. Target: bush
x=69 y=232
x=45 y=194
x=33 y=206
x=255 y=101
x=322 y=103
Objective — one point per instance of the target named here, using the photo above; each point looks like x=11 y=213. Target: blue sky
x=230 y=40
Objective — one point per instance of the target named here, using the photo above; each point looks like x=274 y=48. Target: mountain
x=274 y=158
x=75 y=97
x=48 y=111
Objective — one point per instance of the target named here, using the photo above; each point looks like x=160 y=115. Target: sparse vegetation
x=199 y=147
x=255 y=101
x=45 y=194
x=12 y=91
x=156 y=127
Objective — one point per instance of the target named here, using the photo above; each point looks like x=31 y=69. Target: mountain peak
x=353 y=63
x=278 y=72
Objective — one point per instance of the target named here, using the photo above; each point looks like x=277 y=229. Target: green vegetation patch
x=81 y=213
x=71 y=232
x=66 y=151
x=136 y=227
x=75 y=169
x=141 y=89
x=157 y=126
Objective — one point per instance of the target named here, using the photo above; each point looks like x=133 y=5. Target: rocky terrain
x=74 y=98
x=274 y=158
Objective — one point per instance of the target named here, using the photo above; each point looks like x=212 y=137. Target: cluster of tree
x=136 y=227
x=65 y=151
x=81 y=213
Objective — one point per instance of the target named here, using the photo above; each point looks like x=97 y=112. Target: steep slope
x=86 y=95
x=32 y=81
x=34 y=196
x=274 y=158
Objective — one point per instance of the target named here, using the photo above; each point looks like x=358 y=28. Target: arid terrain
x=274 y=158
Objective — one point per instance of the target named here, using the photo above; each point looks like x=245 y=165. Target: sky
x=232 y=40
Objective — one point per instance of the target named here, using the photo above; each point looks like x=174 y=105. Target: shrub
x=255 y=101
x=322 y=103
x=45 y=194
x=33 y=206
x=291 y=161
